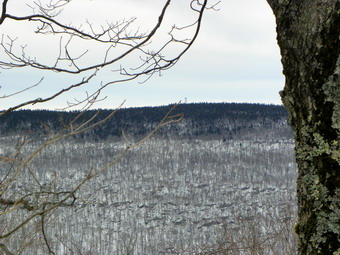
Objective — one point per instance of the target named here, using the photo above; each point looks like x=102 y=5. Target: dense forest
x=223 y=178
x=225 y=120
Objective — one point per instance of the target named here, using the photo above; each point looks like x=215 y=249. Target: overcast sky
x=235 y=58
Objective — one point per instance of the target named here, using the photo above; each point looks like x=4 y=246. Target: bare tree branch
x=4 y=248
x=36 y=203
x=4 y=10
x=21 y=91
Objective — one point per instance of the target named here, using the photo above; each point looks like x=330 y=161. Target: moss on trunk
x=308 y=36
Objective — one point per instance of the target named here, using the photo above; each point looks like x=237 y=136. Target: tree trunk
x=308 y=36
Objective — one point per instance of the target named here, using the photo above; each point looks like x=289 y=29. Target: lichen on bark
x=309 y=39
x=332 y=92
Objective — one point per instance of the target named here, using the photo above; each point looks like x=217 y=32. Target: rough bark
x=308 y=36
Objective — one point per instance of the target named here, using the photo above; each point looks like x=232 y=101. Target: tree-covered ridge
x=221 y=119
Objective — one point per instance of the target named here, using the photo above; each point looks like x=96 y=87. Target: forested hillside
x=222 y=178
x=219 y=120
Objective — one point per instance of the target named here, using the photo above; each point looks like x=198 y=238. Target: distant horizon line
x=149 y=106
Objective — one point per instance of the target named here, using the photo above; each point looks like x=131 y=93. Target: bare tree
x=118 y=42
